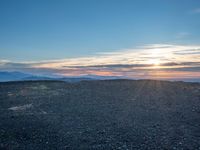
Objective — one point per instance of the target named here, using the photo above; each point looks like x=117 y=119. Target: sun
x=154 y=62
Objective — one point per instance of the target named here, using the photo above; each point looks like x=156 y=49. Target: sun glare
x=154 y=54
x=155 y=62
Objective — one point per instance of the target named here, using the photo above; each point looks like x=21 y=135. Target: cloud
x=196 y=11
x=14 y=65
x=161 y=61
x=182 y=35
x=195 y=51
x=139 y=56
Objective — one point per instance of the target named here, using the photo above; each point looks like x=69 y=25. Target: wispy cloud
x=196 y=11
x=182 y=35
x=151 y=61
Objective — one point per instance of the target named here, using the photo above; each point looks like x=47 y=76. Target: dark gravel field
x=99 y=115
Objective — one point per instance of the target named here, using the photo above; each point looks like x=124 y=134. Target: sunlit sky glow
x=153 y=61
x=135 y=39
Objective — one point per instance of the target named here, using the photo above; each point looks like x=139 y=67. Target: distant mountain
x=68 y=79
x=12 y=76
x=19 y=76
x=35 y=78
x=87 y=78
x=97 y=77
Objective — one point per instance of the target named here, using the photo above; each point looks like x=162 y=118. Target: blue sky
x=51 y=29
x=131 y=38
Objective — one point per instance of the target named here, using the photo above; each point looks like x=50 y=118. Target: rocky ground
x=117 y=114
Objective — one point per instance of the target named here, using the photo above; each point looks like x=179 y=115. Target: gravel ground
x=112 y=114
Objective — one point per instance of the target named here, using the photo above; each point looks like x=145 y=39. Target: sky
x=157 y=39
